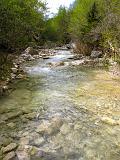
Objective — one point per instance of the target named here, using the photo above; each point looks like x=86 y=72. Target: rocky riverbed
x=64 y=109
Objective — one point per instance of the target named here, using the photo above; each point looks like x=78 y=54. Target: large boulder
x=96 y=54
x=28 y=54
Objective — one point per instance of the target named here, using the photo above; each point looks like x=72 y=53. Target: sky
x=53 y=5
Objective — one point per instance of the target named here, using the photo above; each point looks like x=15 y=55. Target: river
x=62 y=112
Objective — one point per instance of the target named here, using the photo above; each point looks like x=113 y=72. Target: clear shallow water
x=86 y=99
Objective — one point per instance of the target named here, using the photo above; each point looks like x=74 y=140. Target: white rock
x=14 y=70
x=13 y=76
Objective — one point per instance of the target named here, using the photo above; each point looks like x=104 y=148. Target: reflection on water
x=87 y=100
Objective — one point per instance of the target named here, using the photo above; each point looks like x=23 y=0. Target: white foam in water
x=62 y=55
x=37 y=70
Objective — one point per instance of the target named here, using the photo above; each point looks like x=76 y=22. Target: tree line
x=91 y=23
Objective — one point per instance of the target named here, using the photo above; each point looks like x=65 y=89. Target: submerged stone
x=56 y=122
x=11 y=125
x=65 y=129
x=13 y=115
x=30 y=116
x=42 y=128
x=9 y=148
x=38 y=142
x=4 y=141
x=9 y=156
x=110 y=121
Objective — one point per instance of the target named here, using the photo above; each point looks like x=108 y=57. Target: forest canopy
x=93 y=22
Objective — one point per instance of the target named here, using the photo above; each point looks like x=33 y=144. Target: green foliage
x=95 y=22
x=22 y=22
x=61 y=23
x=85 y=16
x=57 y=27
x=110 y=25
x=79 y=17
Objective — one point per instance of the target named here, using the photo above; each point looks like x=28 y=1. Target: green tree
x=22 y=22
x=57 y=27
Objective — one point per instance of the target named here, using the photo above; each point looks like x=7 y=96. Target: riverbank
x=15 y=70
x=30 y=54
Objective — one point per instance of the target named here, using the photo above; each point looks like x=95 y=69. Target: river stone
x=5 y=88
x=42 y=128
x=20 y=76
x=54 y=126
x=65 y=129
x=3 y=110
x=11 y=125
x=96 y=54
x=68 y=46
x=58 y=140
x=14 y=70
x=26 y=110
x=4 y=141
x=25 y=134
x=13 y=76
x=9 y=156
x=78 y=62
x=50 y=128
x=23 y=155
x=2 y=122
x=31 y=51
x=30 y=116
x=56 y=122
x=9 y=148
x=34 y=151
x=13 y=115
x=24 y=140
x=109 y=121
x=77 y=126
x=23 y=119
x=38 y=142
